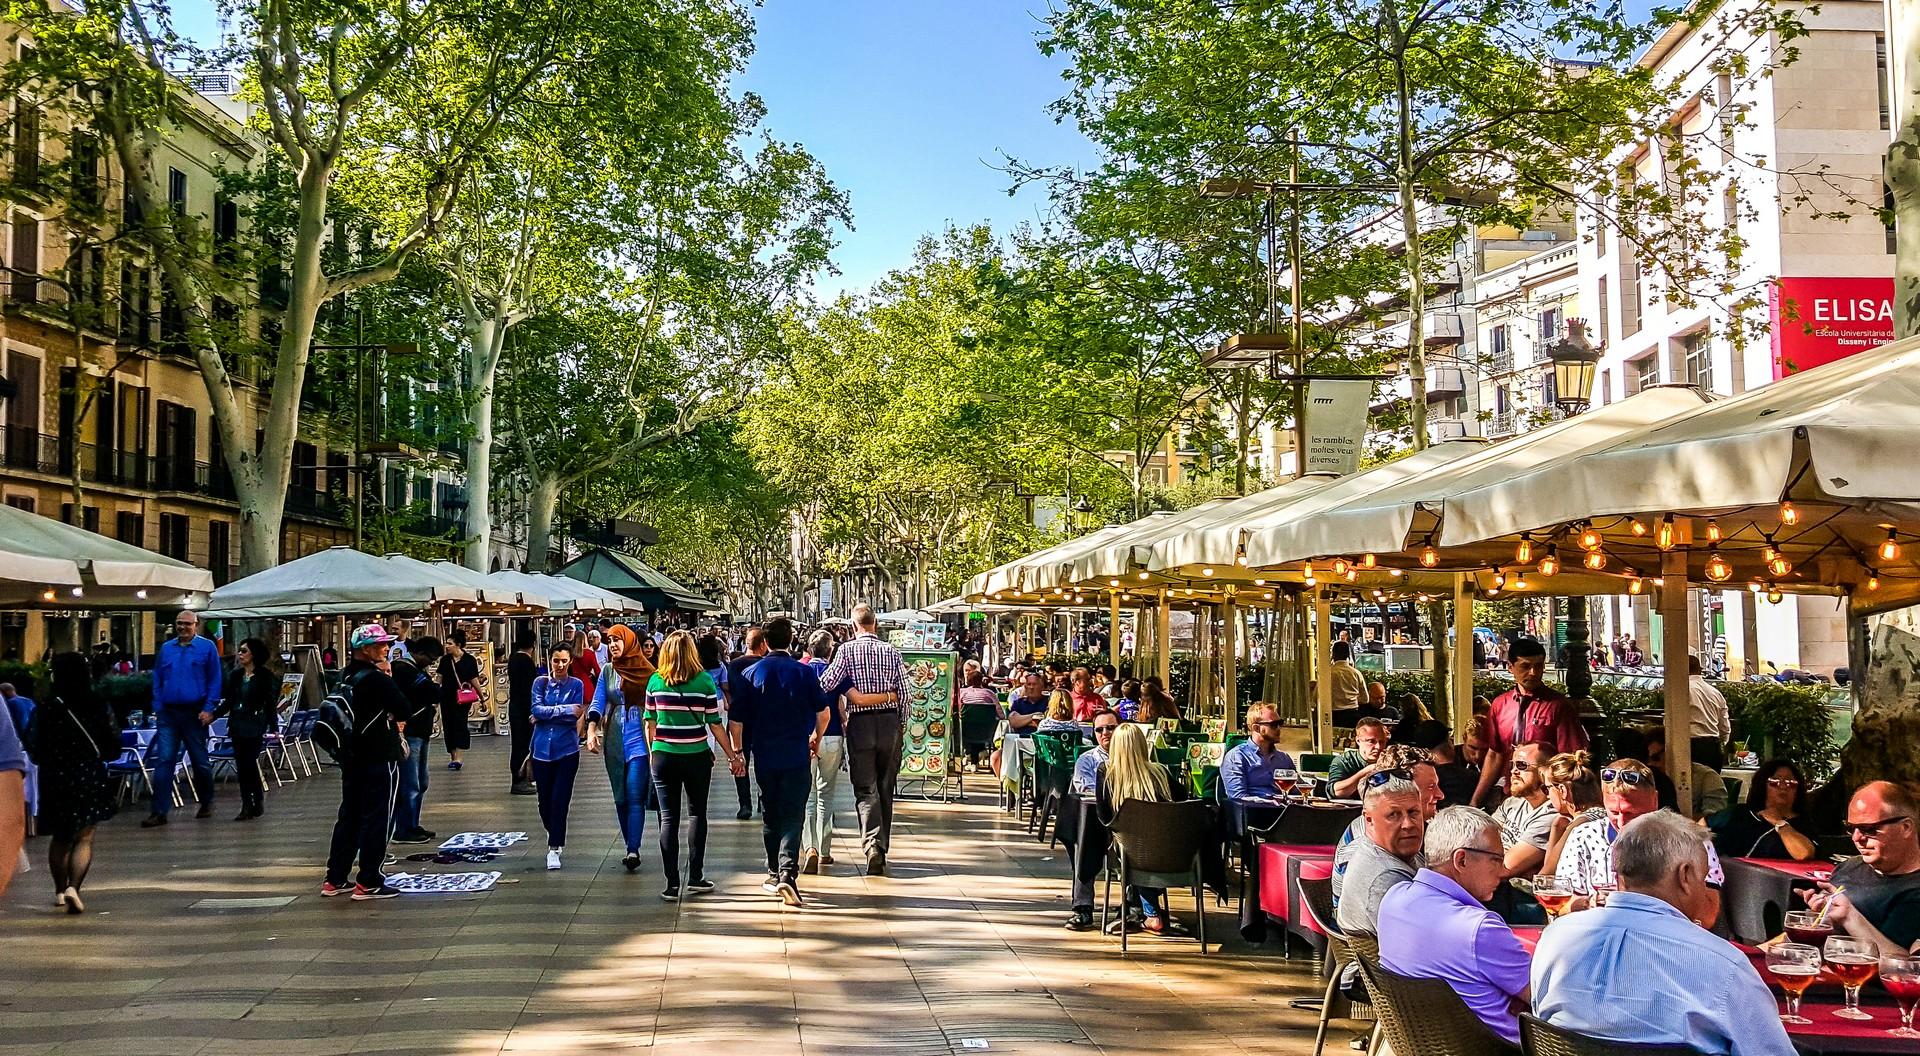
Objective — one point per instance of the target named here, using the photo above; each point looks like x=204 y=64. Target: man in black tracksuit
x=369 y=774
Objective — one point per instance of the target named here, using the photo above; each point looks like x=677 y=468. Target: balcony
x=1502 y=423
x=1443 y=326
x=1439 y=429
x=1445 y=381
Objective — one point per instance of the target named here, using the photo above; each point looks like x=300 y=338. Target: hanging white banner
x=1336 y=424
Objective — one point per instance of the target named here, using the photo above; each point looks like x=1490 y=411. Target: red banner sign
x=1820 y=319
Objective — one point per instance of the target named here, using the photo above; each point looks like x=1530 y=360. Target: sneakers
x=631 y=861
x=411 y=837
x=362 y=893
x=1079 y=922
x=811 y=866
x=426 y=833
x=524 y=788
x=71 y=896
x=1154 y=925
x=699 y=887
x=876 y=863
x=789 y=894
x=553 y=858
x=453 y=764
x=153 y=821
x=744 y=813
x=771 y=885
x=671 y=894
x=826 y=859
x=205 y=811
x=330 y=889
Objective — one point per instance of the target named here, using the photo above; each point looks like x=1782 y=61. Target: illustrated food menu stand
x=927 y=742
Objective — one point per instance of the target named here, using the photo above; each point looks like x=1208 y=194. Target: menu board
x=927 y=741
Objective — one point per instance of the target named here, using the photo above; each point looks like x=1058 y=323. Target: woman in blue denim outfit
x=558 y=699
x=614 y=727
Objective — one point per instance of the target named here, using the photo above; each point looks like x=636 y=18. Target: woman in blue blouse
x=558 y=699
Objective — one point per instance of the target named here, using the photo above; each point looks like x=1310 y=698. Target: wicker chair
x=1424 y=1017
x=1318 y=898
x=1158 y=845
x=1544 y=1039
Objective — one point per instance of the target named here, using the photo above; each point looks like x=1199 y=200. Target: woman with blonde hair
x=682 y=705
x=1131 y=773
x=1573 y=787
x=1059 y=717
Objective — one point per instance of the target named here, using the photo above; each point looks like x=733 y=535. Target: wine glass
x=1794 y=966
x=1286 y=781
x=1852 y=962
x=1601 y=892
x=1807 y=928
x=1901 y=977
x=1552 y=895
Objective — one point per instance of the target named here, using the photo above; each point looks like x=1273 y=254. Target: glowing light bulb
x=1429 y=556
x=1113 y=582
x=1718 y=569
x=1550 y=564
x=1519 y=581
x=46 y=595
x=1777 y=563
x=1637 y=527
x=1268 y=595
x=1664 y=537
x=1499 y=580
x=1492 y=591
x=1789 y=515
x=1890 y=550
x=1523 y=553
x=1352 y=575
x=1340 y=566
x=1259 y=582
x=1241 y=560
x=1774 y=597
x=141 y=593
x=1635 y=585
x=1368 y=561
x=1590 y=538
x=1596 y=560
x=1143 y=575
x=1873 y=582
x=1206 y=571
x=1395 y=573
x=1713 y=530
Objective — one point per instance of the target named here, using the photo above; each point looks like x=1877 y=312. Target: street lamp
x=1574 y=360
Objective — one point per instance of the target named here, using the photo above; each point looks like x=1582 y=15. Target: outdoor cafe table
x=1759 y=892
x=1292 y=822
x=1282 y=867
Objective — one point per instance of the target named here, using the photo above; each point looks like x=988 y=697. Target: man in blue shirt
x=1246 y=772
x=21 y=706
x=1086 y=769
x=1643 y=969
x=13 y=799
x=1027 y=706
x=186 y=689
x=781 y=718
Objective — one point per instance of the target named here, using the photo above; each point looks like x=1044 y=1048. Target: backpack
x=333 y=725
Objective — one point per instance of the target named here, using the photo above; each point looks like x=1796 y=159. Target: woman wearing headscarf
x=70 y=738
x=614 y=728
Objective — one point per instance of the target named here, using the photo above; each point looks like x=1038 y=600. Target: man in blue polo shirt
x=1246 y=772
x=186 y=689
x=781 y=718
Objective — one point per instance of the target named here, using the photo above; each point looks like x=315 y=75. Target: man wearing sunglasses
x=1526 y=816
x=1247 y=771
x=1530 y=711
x=1626 y=792
x=1880 y=902
x=1087 y=845
x=1087 y=767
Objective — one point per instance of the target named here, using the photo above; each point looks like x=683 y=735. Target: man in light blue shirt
x=1246 y=772
x=1644 y=969
x=1086 y=769
x=186 y=690
x=1435 y=926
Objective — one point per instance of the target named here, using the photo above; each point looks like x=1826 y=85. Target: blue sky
x=908 y=103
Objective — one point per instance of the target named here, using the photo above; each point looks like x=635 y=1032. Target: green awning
x=627 y=575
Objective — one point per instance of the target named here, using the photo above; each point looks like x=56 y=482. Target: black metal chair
x=1540 y=1038
x=1424 y=1017
x=1317 y=898
x=1158 y=845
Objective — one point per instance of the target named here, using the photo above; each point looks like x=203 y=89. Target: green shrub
x=125 y=693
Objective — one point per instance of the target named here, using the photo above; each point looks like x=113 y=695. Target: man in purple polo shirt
x=1435 y=927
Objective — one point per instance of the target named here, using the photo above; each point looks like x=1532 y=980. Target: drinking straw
x=1822 y=915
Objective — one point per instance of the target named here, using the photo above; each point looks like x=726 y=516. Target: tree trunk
x=542 y=502
x=482 y=360
x=1903 y=166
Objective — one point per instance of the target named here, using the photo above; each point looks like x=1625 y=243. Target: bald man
x=1881 y=902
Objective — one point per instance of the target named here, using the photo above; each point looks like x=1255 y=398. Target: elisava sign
x=1820 y=319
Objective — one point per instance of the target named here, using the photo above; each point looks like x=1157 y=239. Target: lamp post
x=1574 y=360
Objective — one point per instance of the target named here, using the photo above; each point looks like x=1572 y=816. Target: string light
x=1890 y=550
x=1143 y=575
x=1519 y=580
x=1395 y=573
x=1718 y=569
x=1499 y=580
x=1113 y=582
x=1523 y=553
x=47 y=595
x=1635 y=585
x=1259 y=582
x=1340 y=566
x=1241 y=560
x=1713 y=530
x=1774 y=597
x=1873 y=581
x=1637 y=526
x=1206 y=571
x=1352 y=575
x=1368 y=561
x=1596 y=559
x=1429 y=557
x=1788 y=515
x=1550 y=564
x=1777 y=563
x=1664 y=537
x=1590 y=538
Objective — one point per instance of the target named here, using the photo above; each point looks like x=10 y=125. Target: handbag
x=466 y=696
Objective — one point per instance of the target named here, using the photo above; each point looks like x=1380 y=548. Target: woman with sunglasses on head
x=1626 y=792
x=1763 y=827
x=1573 y=787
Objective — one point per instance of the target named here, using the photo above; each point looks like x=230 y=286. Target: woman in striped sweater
x=682 y=703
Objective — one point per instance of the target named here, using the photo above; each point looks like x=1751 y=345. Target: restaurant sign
x=1819 y=319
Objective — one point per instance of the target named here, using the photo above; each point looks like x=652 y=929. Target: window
x=26 y=143
x=306 y=462
x=26 y=258
x=1601 y=335
x=226 y=228
x=1599 y=235
x=130 y=528
x=1629 y=293
x=21 y=502
x=173 y=535
x=1550 y=325
x=1606 y=387
x=1696 y=361
x=1646 y=372
x=136 y=303
x=220 y=552
x=177 y=190
x=1723 y=92
x=1880 y=79
x=84 y=161
x=1500 y=348
x=88 y=283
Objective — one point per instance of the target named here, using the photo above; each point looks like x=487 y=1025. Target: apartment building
x=1811 y=144
x=107 y=422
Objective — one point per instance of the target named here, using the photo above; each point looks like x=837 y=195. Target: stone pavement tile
x=148 y=1046
x=450 y=1039
x=340 y=1045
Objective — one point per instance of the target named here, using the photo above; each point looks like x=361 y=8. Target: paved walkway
x=959 y=951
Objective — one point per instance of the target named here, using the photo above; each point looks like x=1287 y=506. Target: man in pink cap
x=369 y=773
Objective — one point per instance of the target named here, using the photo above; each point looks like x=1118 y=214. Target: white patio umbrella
x=565 y=594
x=45 y=562
x=1213 y=540
x=1274 y=537
x=491 y=593
x=903 y=616
x=1016 y=576
x=339 y=581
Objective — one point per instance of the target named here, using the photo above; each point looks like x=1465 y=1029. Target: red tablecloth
x=1529 y=936
x=1830 y=1034
x=1275 y=891
x=1809 y=871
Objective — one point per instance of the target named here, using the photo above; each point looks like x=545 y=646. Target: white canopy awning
x=903 y=616
x=1287 y=533
x=491 y=593
x=339 y=581
x=87 y=570
x=1214 y=540
x=1024 y=573
x=1113 y=558
x=565 y=594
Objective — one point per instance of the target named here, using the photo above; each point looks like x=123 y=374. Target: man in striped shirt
x=873 y=727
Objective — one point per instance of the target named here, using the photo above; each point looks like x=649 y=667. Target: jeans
x=413 y=788
x=246 y=766
x=783 y=794
x=873 y=761
x=554 y=779
x=176 y=731
x=818 y=833
x=674 y=773
x=633 y=807
x=366 y=809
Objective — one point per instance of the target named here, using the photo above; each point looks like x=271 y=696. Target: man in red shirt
x=1528 y=712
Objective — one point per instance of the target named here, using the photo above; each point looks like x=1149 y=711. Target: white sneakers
x=553 y=858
